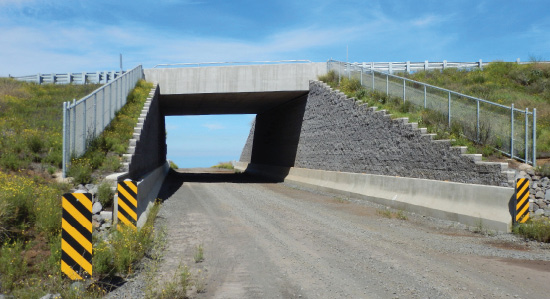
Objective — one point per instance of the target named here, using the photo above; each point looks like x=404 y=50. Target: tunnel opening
x=203 y=130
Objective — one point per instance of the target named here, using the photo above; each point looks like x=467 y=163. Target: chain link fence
x=85 y=119
x=509 y=130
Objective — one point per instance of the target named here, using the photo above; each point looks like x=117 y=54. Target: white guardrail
x=85 y=119
x=68 y=78
x=509 y=130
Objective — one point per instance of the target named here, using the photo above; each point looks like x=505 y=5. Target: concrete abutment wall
x=339 y=137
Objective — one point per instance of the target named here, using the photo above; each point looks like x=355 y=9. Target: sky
x=39 y=36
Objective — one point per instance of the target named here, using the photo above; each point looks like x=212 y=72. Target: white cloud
x=214 y=126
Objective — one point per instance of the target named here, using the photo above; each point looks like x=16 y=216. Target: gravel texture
x=270 y=240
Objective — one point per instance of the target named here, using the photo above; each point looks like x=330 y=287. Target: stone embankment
x=539 y=192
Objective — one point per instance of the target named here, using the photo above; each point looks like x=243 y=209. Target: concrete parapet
x=474 y=205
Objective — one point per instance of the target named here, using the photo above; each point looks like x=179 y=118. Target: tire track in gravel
x=266 y=240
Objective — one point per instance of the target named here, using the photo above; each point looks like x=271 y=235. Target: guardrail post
x=449 y=110
x=408 y=67
x=512 y=132
x=426 y=65
x=444 y=64
x=477 y=121
x=526 y=135
x=103 y=108
x=95 y=114
x=534 y=137
x=480 y=64
x=372 y=71
x=390 y=68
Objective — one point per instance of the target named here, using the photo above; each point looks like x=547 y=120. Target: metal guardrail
x=67 y=78
x=411 y=67
x=199 y=64
x=85 y=119
x=506 y=128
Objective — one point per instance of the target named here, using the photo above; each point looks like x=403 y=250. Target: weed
x=224 y=165
x=80 y=171
x=543 y=170
x=401 y=215
x=173 y=165
x=105 y=194
x=199 y=254
x=536 y=229
x=384 y=213
x=200 y=282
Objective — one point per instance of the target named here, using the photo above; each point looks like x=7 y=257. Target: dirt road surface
x=270 y=240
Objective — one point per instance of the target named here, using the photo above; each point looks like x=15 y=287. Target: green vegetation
x=126 y=246
x=224 y=165
x=173 y=165
x=29 y=123
x=535 y=229
x=525 y=86
x=387 y=213
x=105 y=152
x=199 y=254
x=30 y=200
x=434 y=121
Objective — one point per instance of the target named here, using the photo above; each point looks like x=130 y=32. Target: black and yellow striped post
x=76 y=235
x=127 y=203
x=522 y=200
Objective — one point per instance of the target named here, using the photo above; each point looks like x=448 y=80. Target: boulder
x=97 y=207
x=539 y=212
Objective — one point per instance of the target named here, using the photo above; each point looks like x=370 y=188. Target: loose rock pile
x=101 y=219
x=539 y=192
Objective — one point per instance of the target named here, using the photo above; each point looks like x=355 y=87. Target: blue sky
x=38 y=36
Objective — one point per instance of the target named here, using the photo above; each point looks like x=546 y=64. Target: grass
x=127 y=246
x=534 y=229
x=434 y=121
x=199 y=254
x=387 y=213
x=30 y=200
x=224 y=165
x=105 y=152
x=525 y=86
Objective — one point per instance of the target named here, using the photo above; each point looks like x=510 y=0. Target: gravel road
x=271 y=240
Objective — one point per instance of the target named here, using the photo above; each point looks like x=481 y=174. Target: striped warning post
x=76 y=235
x=127 y=203
x=522 y=200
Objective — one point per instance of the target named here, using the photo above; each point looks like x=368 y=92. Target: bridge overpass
x=307 y=134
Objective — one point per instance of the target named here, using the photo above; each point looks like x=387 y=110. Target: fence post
x=372 y=71
x=103 y=108
x=449 y=110
x=64 y=157
x=426 y=65
x=387 y=85
x=480 y=64
x=84 y=125
x=361 y=74
x=390 y=68
x=95 y=115
x=444 y=64
x=526 y=135
x=534 y=137
x=512 y=133
x=73 y=131
x=408 y=67
x=404 y=90
x=477 y=121
x=339 y=72
x=425 y=97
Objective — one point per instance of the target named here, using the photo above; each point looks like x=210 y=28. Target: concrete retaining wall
x=474 y=205
x=148 y=147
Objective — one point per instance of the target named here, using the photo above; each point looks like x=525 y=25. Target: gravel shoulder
x=264 y=239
